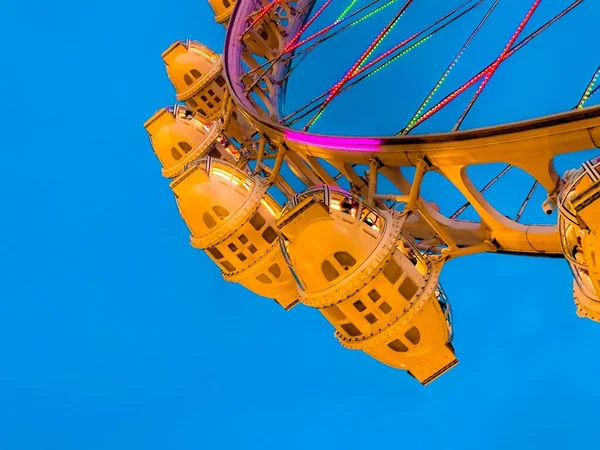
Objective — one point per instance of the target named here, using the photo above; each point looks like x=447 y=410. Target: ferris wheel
x=342 y=223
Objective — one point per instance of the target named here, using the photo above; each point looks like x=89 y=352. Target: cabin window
x=385 y=307
x=398 y=346
x=374 y=295
x=269 y=235
x=351 y=329
x=187 y=79
x=263 y=278
x=252 y=249
x=203 y=97
x=175 y=154
x=220 y=211
x=185 y=147
x=243 y=239
x=257 y=221
x=392 y=272
x=329 y=271
x=335 y=313
x=360 y=306
x=408 y=288
x=196 y=74
x=232 y=247
x=210 y=105
x=226 y=3
x=241 y=256
x=192 y=103
x=413 y=335
x=345 y=259
x=201 y=112
x=217 y=99
x=220 y=80
x=214 y=251
x=211 y=92
x=208 y=220
x=227 y=266
x=275 y=270
x=371 y=318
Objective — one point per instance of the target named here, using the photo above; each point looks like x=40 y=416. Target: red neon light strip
x=263 y=12
x=310 y=38
x=496 y=64
x=305 y=26
x=487 y=72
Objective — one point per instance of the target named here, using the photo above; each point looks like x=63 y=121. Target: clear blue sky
x=116 y=334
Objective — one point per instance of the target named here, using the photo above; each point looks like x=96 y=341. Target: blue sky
x=118 y=335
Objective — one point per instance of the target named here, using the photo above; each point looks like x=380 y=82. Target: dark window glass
x=227 y=266
x=214 y=251
x=185 y=147
x=329 y=271
x=360 y=306
x=209 y=221
x=408 y=288
x=220 y=211
x=345 y=259
x=371 y=318
x=263 y=278
x=392 y=272
x=385 y=307
x=257 y=221
x=334 y=312
x=374 y=295
x=269 y=235
x=351 y=329
x=275 y=270
x=398 y=346
x=413 y=335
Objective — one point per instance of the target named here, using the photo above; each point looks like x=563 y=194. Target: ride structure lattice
x=366 y=250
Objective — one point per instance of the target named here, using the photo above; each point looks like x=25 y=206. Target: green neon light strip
x=346 y=11
x=590 y=89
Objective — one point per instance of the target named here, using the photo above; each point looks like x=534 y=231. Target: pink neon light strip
x=339 y=143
